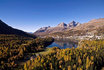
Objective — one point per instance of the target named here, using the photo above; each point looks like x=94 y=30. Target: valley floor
x=32 y=54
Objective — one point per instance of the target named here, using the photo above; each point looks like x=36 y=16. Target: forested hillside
x=14 y=48
x=90 y=57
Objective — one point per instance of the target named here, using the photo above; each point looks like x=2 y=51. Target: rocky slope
x=59 y=28
x=93 y=24
x=5 y=29
x=93 y=27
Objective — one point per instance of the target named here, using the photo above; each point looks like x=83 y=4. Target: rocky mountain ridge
x=59 y=28
x=93 y=27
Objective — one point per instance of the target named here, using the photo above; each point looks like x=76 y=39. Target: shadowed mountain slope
x=5 y=29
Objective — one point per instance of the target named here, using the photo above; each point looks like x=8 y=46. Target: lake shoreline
x=64 y=43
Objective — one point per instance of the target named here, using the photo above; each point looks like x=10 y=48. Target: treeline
x=89 y=43
x=90 y=57
x=39 y=43
x=14 y=48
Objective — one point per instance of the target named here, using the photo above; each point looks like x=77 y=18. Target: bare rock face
x=73 y=24
x=43 y=29
x=62 y=25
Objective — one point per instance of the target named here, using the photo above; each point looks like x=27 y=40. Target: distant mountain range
x=5 y=29
x=93 y=27
x=59 y=28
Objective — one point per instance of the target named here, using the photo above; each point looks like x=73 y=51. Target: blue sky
x=30 y=15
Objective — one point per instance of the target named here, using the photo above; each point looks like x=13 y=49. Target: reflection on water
x=63 y=43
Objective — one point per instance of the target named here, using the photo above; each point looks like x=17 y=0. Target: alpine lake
x=64 y=43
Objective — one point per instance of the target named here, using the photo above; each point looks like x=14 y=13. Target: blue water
x=63 y=44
